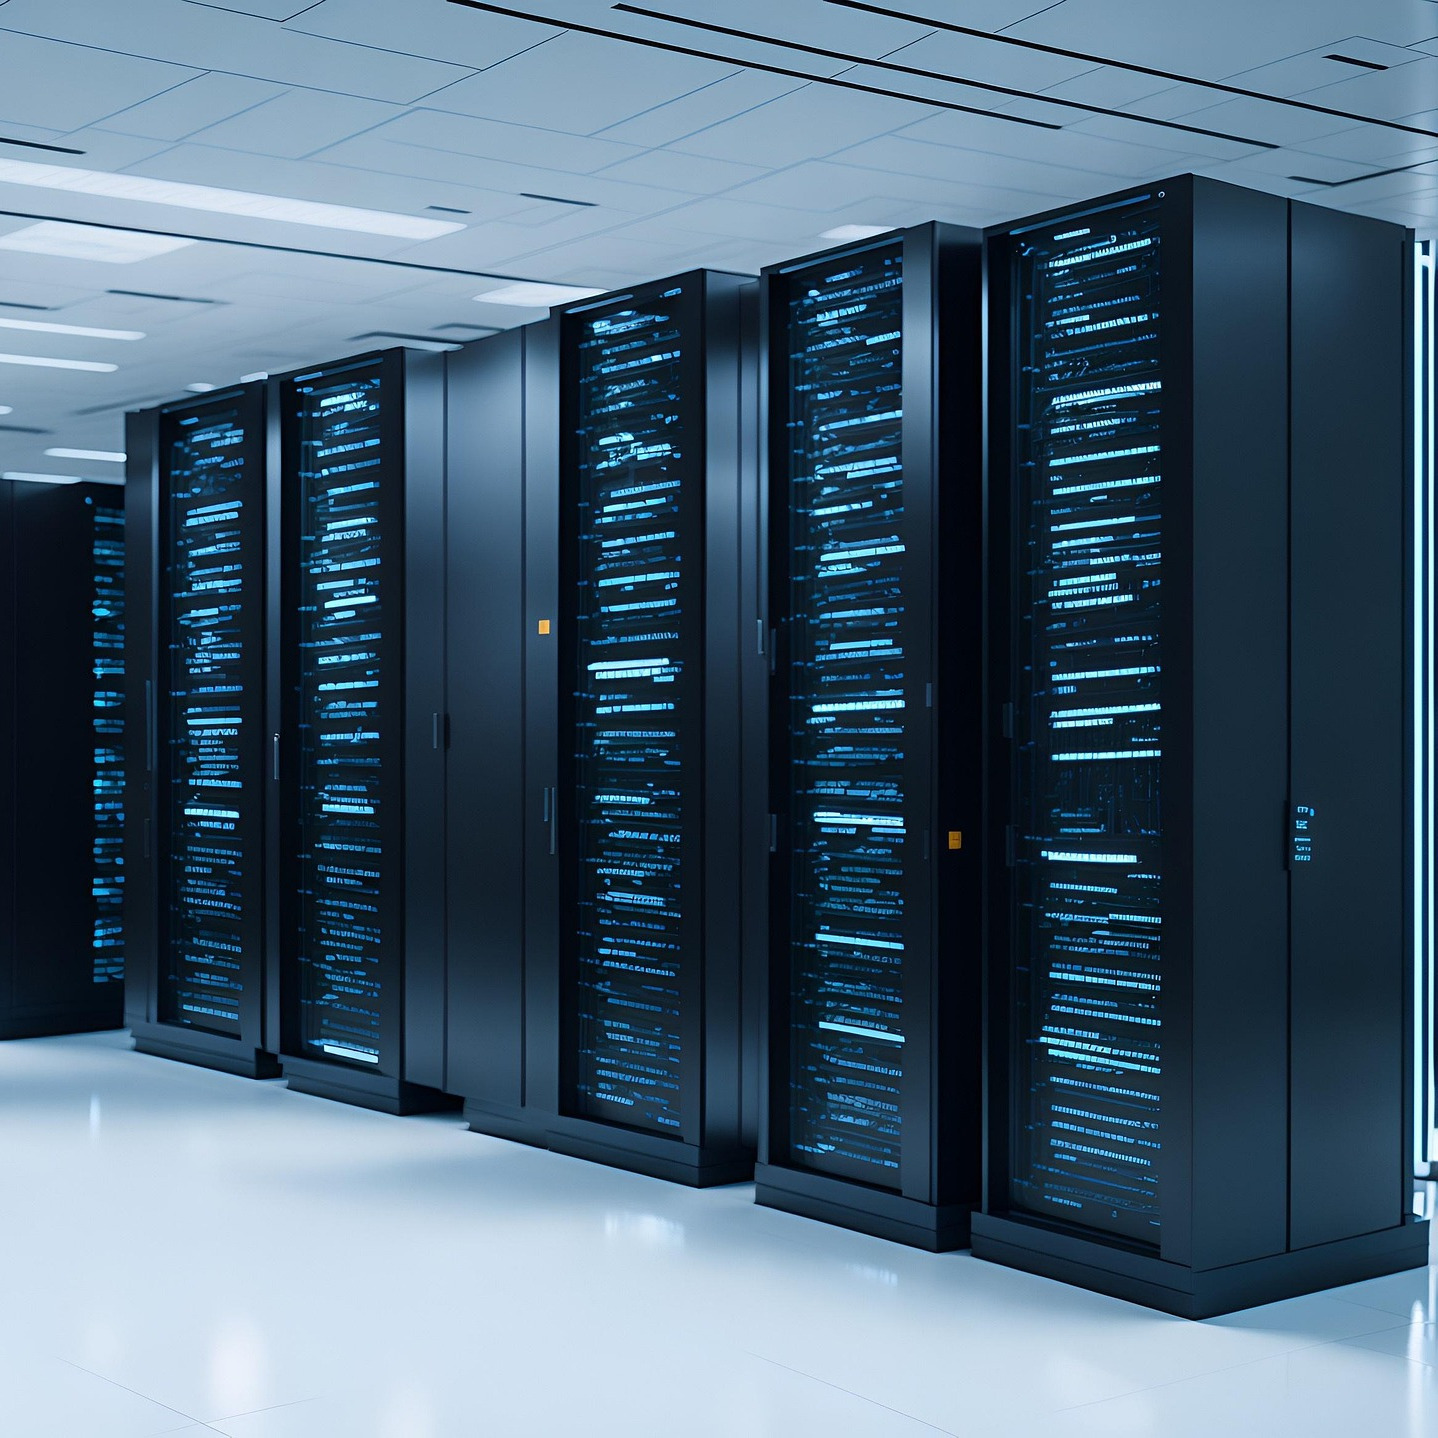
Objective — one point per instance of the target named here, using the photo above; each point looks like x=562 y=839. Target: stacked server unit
x=358 y=715
x=635 y=630
x=62 y=731
x=199 y=986
x=875 y=601
x=1199 y=519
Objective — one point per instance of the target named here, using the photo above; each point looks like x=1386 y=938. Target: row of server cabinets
x=925 y=729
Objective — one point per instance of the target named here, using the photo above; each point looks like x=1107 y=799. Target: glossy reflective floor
x=191 y=1253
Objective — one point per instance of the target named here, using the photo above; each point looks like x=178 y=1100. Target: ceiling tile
x=1387 y=94
x=496 y=140
x=433 y=29
x=203 y=101
x=264 y=9
x=735 y=95
x=806 y=124
x=65 y=87
x=696 y=174
x=579 y=83
x=1314 y=67
x=210 y=39
x=297 y=123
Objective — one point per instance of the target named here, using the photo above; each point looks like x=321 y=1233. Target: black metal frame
x=147 y=889
x=942 y=441
x=1241 y=1224
x=712 y=1148
x=412 y=1033
x=46 y=734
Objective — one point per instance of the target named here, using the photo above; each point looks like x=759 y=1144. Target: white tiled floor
x=188 y=1253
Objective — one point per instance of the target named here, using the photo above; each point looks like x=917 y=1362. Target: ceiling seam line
x=1132 y=68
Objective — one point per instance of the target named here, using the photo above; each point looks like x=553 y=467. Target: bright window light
x=534 y=296
x=90 y=242
x=105 y=456
x=223 y=202
x=89 y=332
x=93 y=366
x=855 y=232
x=41 y=478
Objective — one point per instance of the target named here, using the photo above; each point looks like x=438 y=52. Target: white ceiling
x=669 y=159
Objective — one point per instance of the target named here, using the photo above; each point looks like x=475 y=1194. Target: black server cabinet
x=62 y=761
x=199 y=980
x=874 y=434
x=502 y=410
x=640 y=655
x=1200 y=1031
x=358 y=726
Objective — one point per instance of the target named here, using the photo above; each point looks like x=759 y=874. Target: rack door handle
x=275 y=757
x=149 y=726
x=551 y=816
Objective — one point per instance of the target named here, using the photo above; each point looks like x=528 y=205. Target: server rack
x=503 y=421
x=62 y=620
x=200 y=985
x=1199 y=1101
x=874 y=431
x=635 y=995
x=358 y=726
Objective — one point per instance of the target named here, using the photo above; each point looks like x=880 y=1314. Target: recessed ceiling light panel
x=43 y=362
x=200 y=387
x=90 y=242
x=855 y=232
x=106 y=456
x=27 y=478
x=214 y=200
x=531 y=295
x=89 y=332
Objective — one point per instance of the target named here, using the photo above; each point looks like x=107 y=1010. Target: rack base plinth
x=44 y=1023
x=512 y=1124
x=936 y=1228
x=649 y=1154
x=364 y=1090
x=1196 y=1293
x=211 y=1051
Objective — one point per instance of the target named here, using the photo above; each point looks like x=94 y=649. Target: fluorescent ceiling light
x=532 y=295
x=855 y=232
x=245 y=203
x=6 y=409
x=88 y=332
x=259 y=374
x=41 y=478
x=94 y=366
x=90 y=242
x=106 y=456
x=201 y=388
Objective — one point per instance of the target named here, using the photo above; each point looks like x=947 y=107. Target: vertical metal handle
x=145 y=831
x=436 y=722
x=275 y=757
x=551 y=817
x=149 y=726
